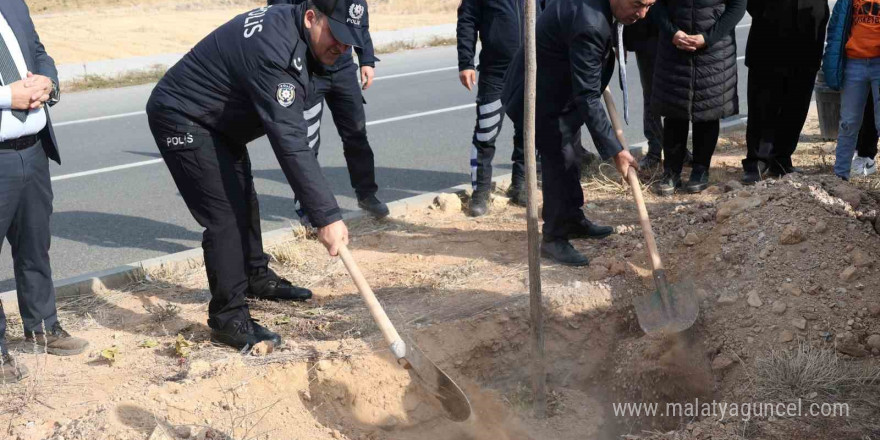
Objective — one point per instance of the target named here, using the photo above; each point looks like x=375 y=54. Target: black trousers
x=778 y=105
x=675 y=136
x=214 y=178
x=866 y=146
x=652 y=123
x=562 y=154
x=346 y=102
x=490 y=117
x=25 y=208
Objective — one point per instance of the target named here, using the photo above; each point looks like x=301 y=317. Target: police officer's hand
x=468 y=78
x=367 y=75
x=332 y=236
x=22 y=95
x=623 y=161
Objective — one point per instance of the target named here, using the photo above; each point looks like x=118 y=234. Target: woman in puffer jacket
x=852 y=65
x=694 y=82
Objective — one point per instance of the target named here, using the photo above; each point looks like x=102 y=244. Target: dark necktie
x=10 y=75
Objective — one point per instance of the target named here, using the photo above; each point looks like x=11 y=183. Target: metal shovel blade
x=668 y=309
x=453 y=400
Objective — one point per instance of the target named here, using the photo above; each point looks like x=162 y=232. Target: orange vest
x=864 y=40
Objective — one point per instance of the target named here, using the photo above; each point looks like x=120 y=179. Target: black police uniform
x=574 y=40
x=338 y=84
x=246 y=79
x=499 y=25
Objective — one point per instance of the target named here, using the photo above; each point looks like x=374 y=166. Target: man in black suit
x=27 y=142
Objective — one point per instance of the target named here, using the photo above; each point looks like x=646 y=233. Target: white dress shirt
x=10 y=126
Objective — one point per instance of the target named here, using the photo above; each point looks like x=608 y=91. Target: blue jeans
x=860 y=80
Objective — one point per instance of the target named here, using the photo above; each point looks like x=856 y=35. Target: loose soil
x=783 y=265
x=90 y=30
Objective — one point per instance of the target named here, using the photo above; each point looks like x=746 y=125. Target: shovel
x=420 y=368
x=669 y=309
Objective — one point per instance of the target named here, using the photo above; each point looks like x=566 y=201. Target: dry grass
x=130 y=78
x=409 y=45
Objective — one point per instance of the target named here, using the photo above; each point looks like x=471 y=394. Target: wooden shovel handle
x=398 y=347
x=632 y=177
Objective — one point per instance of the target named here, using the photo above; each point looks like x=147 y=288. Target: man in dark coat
x=575 y=41
x=694 y=81
x=780 y=81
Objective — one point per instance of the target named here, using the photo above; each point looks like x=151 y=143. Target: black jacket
x=366 y=54
x=701 y=85
x=787 y=35
x=249 y=78
x=574 y=40
x=499 y=25
x=38 y=61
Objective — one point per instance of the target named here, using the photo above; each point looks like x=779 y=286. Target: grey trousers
x=25 y=208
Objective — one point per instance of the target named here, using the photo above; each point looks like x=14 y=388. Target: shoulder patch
x=285 y=94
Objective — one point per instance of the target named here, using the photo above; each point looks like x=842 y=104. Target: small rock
x=791 y=235
x=874 y=342
x=812 y=220
x=799 y=322
x=336 y=434
x=861 y=258
x=849 y=274
x=790 y=289
x=714 y=190
x=852 y=348
x=778 y=307
x=740 y=204
x=733 y=185
x=184 y=432
x=786 y=336
x=848 y=194
x=754 y=300
x=263 y=348
x=727 y=298
x=691 y=239
x=764 y=253
x=500 y=202
x=721 y=362
x=448 y=202
x=874 y=309
x=821 y=227
x=617 y=268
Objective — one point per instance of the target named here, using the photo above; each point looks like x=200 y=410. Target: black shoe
x=562 y=252
x=586 y=229
x=668 y=184
x=751 y=177
x=698 y=181
x=649 y=162
x=479 y=204
x=753 y=174
x=688 y=158
x=372 y=205
x=517 y=193
x=269 y=286
x=242 y=334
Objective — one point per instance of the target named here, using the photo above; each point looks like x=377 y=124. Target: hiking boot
x=586 y=229
x=517 y=192
x=57 y=341
x=649 y=162
x=242 y=334
x=698 y=181
x=562 y=252
x=10 y=370
x=375 y=207
x=668 y=184
x=269 y=286
x=479 y=204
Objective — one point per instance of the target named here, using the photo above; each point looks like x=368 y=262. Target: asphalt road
x=115 y=202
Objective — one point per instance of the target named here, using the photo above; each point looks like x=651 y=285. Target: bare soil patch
x=787 y=272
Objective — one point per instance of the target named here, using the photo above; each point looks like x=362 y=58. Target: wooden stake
x=539 y=375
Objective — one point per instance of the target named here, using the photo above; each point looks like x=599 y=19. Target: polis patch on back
x=252 y=21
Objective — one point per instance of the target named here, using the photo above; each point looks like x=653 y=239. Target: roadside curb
x=95 y=282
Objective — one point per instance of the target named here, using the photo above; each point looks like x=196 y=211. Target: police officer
x=574 y=41
x=338 y=84
x=246 y=79
x=499 y=26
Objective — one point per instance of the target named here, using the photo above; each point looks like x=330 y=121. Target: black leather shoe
x=479 y=204
x=562 y=252
x=753 y=174
x=649 y=162
x=586 y=229
x=699 y=180
x=375 y=207
x=242 y=334
x=517 y=193
x=269 y=286
x=668 y=184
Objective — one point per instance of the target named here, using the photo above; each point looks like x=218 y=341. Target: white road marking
x=100 y=118
x=155 y=161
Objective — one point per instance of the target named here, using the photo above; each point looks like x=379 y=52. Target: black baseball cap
x=348 y=20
